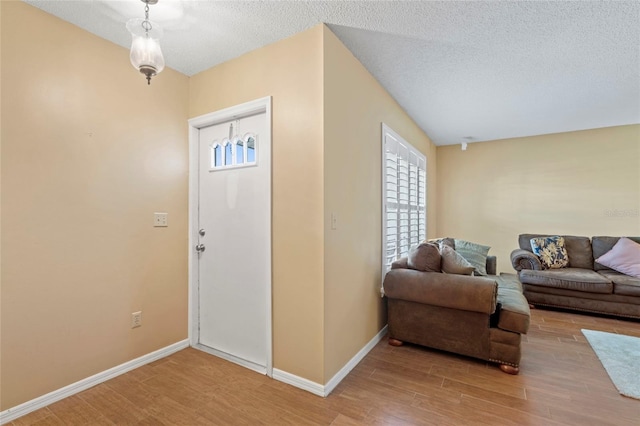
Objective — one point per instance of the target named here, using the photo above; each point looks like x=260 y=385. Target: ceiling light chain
x=146 y=55
x=146 y=24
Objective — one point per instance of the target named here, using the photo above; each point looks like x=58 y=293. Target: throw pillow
x=443 y=242
x=551 y=251
x=454 y=263
x=624 y=257
x=475 y=254
x=425 y=257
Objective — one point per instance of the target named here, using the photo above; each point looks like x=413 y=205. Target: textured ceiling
x=464 y=71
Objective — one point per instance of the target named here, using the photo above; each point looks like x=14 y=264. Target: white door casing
x=230 y=281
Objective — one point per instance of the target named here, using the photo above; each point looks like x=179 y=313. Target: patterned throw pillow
x=551 y=251
x=475 y=254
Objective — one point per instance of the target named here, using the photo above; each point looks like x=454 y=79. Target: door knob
x=200 y=248
x=201 y=232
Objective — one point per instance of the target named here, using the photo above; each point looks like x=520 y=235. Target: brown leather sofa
x=481 y=317
x=584 y=285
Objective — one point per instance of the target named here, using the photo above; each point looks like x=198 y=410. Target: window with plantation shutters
x=404 y=216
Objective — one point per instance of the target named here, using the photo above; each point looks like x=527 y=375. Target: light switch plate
x=136 y=319
x=160 y=219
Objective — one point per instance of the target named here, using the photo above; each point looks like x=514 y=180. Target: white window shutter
x=404 y=197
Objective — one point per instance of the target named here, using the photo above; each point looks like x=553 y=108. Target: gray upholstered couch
x=584 y=285
x=481 y=317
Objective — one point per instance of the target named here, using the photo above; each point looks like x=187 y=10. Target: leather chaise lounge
x=477 y=316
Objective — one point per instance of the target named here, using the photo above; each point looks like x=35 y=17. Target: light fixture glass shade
x=146 y=55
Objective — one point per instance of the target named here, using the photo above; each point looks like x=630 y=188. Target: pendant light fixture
x=146 y=55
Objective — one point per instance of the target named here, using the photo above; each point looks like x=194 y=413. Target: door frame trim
x=257 y=106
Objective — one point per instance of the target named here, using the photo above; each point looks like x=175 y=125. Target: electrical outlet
x=160 y=219
x=136 y=319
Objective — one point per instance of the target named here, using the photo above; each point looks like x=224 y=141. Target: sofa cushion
x=624 y=257
x=601 y=245
x=425 y=257
x=453 y=262
x=578 y=249
x=611 y=304
x=475 y=254
x=623 y=284
x=514 y=312
x=568 y=278
x=509 y=281
x=551 y=251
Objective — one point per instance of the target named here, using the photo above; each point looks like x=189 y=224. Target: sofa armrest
x=491 y=265
x=522 y=259
x=464 y=292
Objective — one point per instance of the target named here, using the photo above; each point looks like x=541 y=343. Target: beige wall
x=84 y=166
x=355 y=105
x=80 y=153
x=1 y=210
x=291 y=72
x=326 y=302
x=578 y=183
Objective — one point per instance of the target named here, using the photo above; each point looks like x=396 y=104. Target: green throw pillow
x=475 y=254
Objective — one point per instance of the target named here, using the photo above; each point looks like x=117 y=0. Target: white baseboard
x=282 y=376
x=325 y=390
x=337 y=378
x=299 y=382
x=44 y=400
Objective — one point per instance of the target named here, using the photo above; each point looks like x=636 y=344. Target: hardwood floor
x=561 y=382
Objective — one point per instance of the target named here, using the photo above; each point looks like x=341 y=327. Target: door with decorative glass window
x=234 y=241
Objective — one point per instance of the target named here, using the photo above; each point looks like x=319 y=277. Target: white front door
x=234 y=241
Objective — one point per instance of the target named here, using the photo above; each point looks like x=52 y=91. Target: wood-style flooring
x=561 y=382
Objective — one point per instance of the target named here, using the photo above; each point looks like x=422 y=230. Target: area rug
x=620 y=356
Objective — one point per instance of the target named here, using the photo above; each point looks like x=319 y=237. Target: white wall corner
x=325 y=390
x=340 y=375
